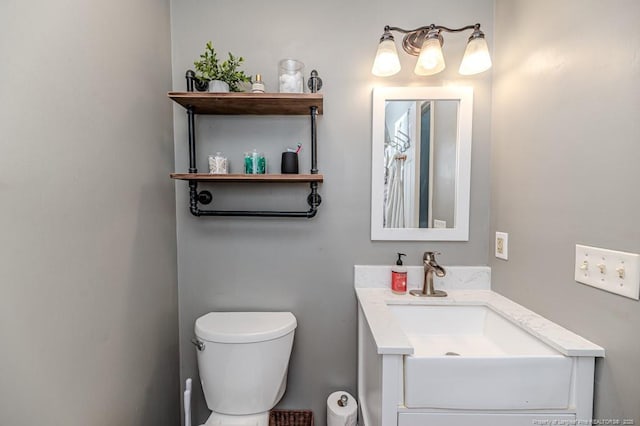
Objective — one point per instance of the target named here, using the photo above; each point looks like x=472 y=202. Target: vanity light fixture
x=426 y=43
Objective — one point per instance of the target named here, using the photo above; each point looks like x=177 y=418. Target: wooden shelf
x=289 y=178
x=249 y=103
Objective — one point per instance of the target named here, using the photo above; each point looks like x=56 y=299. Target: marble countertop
x=390 y=339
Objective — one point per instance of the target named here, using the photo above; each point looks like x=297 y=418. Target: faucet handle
x=430 y=255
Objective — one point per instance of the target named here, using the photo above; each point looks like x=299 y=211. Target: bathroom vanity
x=471 y=358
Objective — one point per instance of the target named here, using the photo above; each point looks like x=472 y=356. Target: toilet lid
x=244 y=327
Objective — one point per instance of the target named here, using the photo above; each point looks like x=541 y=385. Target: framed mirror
x=421 y=163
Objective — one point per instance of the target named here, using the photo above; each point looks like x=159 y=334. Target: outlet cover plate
x=502 y=245
x=613 y=271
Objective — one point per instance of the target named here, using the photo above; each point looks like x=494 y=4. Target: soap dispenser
x=399 y=276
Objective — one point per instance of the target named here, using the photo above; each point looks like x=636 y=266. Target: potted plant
x=222 y=77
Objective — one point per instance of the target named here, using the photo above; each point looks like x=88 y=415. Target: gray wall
x=88 y=295
x=305 y=266
x=565 y=170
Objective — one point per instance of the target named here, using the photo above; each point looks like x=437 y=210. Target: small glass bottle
x=258 y=85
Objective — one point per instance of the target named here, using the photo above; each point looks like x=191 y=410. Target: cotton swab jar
x=218 y=164
x=291 y=76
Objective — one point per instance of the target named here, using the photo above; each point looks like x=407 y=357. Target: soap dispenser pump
x=399 y=276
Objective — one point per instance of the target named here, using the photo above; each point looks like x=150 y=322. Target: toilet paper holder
x=343 y=401
x=342 y=409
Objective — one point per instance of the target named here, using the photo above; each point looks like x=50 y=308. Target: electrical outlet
x=613 y=271
x=502 y=245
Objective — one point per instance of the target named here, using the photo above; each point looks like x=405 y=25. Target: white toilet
x=243 y=359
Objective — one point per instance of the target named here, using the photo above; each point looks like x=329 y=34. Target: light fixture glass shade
x=476 y=57
x=431 y=60
x=387 y=62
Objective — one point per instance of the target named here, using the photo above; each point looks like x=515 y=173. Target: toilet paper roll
x=338 y=415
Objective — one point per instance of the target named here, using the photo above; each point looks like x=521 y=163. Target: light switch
x=614 y=271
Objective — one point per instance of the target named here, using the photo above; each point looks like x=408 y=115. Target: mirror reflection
x=420 y=146
x=421 y=163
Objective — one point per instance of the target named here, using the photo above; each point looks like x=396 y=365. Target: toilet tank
x=243 y=364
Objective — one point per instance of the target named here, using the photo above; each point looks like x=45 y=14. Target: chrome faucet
x=430 y=267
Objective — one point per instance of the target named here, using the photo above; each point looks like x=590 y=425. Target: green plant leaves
x=209 y=68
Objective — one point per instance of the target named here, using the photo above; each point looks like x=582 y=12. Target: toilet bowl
x=243 y=358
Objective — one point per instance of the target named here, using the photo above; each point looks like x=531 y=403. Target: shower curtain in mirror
x=394 y=202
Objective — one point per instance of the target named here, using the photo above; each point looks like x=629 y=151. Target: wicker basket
x=291 y=418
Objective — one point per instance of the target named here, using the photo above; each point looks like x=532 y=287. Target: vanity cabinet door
x=478 y=419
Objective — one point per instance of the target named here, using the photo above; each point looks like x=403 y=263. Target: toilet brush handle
x=187 y=407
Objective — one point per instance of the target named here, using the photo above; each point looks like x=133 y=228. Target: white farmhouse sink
x=469 y=357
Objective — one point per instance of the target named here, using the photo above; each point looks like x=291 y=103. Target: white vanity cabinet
x=483 y=419
x=395 y=331
x=381 y=394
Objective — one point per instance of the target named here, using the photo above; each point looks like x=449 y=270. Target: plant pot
x=218 y=86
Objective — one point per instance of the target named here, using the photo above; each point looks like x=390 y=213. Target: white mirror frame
x=463 y=163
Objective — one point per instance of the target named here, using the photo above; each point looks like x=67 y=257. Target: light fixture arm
x=433 y=27
x=413 y=39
